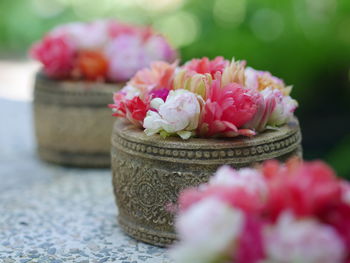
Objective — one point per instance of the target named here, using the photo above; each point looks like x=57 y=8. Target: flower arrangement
x=103 y=50
x=285 y=213
x=204 y=98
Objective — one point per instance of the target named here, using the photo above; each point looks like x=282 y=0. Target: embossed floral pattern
x=149 y=174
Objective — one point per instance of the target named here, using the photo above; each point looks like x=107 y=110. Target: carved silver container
x=149 y=172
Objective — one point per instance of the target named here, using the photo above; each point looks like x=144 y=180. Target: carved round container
x=72 y=121
x=149 y=172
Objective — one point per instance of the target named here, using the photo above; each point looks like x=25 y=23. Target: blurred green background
x=305 y=42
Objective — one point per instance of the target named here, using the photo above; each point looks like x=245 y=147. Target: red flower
x=227 y=109
x=205 y=65
x=250 y=248
x=308 y=193
x=306 y=189
x=134 y=110
x=338 y=216
x=160 y=93
x=234 y=196
x=92 y=64
x=56 y=54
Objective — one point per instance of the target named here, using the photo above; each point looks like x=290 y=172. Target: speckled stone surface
x=54 y=214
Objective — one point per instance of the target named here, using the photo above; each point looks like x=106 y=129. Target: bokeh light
x=48 y=8
x=89 y=10
x=321 y=10
x=267 y=24
x=182 y=28
x=160 y=6
x=229 y=13
x=344 y=30
x=315 y=17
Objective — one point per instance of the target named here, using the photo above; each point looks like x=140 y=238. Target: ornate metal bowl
x=149 y=172
x=72 y=121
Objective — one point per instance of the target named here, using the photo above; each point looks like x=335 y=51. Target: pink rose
x=127 y=56
x=116 y=29
x=266 y=103
x=157 y=48
x=204 y=65
x=85 y=35
x=56 y=53
x=227 y=109
x=159 y=75
x=274 y=109
x=284 y=109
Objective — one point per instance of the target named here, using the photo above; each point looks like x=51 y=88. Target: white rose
x=179 y=114
x=206 y=231
x=250 y=179
x=304 y=240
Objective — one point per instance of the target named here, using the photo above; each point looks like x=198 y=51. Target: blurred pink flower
x=236 y=196
x=338 y=215
x=292 y=212
x=305 y=189
x=116 y=29
x=305 y=240
x=207 y=231
x=56 y=53
x=127 y=56
x=93 y=35
x=250 y=243
x=158 y=48
x=250 y=179
x=127 y=48
x=346 y=192
x=135 y=49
